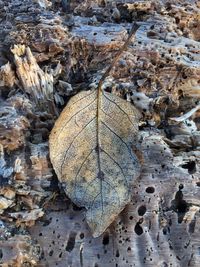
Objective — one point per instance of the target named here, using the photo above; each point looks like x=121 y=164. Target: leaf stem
x=122 y=49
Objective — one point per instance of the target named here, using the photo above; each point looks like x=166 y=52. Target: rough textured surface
x=74 y=41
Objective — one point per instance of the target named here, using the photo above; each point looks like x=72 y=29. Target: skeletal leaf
x=91 y=152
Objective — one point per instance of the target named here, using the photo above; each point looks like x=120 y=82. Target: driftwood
x=51 y=50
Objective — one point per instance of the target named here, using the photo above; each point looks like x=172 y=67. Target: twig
x=186 y=115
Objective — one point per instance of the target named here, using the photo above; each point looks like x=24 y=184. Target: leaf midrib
x=99 y=93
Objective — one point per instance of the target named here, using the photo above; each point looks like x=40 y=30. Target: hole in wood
x=190 y=166
x=138 y=229
x=150 y=190
x=142 y=210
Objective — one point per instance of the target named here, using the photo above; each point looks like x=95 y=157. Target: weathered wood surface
x=50 y=50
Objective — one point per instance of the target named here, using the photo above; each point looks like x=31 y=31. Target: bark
x=49 y=51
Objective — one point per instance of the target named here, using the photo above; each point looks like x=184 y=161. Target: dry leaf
x=90 y=149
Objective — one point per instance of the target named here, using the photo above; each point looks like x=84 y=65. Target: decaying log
x=49 y=51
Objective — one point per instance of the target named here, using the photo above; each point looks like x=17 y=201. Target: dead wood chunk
x=173 y=49
x=139 y=6
x=7 y=192
x=110 y=35
x=190 y=86
x=18 y=251
x=4 y=203
x=92 y=45
x=12 y=127
x=36 y=82
x=7 y=75
x=25 y=216
x=41 y=170
x=5 y=171
x=48 y=38
x=43 y=3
